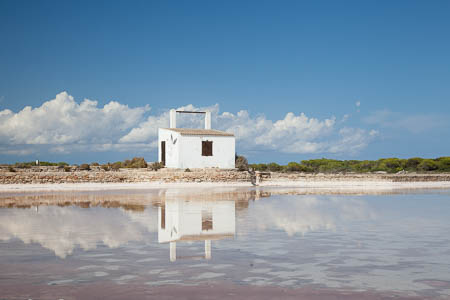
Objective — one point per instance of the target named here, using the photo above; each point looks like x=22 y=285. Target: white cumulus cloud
x=64 y=126
x=64 y=121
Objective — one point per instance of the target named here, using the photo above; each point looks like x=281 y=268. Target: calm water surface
x=396 y=243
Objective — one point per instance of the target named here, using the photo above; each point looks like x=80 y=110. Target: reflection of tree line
x=130 y=202
x=107 y=204
x=138 y=200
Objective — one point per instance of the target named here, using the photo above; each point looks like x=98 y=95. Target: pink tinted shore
x=106 y=290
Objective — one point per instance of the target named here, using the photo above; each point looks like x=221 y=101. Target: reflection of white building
x=183 y=220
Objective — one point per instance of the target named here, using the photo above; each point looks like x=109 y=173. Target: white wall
x=191 y=152
x=172 y=140
x=187 y=151
x=184 y=218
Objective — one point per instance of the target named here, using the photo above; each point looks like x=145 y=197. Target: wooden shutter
x=207 y=148
x=163 y=152
x=207 y=220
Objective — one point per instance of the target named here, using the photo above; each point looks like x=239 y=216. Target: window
x=207 y=220
x=207 y=148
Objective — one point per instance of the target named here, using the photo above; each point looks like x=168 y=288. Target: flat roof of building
x=192 y=131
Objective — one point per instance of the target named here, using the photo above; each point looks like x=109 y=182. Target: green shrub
x=274 y=167
x=23 y=165
x=67 y=169
x=106 y=167
x=45 y=163
x=295 y=167
x=321 y=165
x=11 y=169
x=428 y=165
x=187 y=170
x=259 y=167
x=85 y=167
x=333 y=166
x=413 y=163
x=96 y=164
x=135 y=162
x=444 y=163
x=241 y=163
x=155 y=166
x=390 y=165
x=363 y=166
x=29 y=164
x=116 y=166
x=139 y=162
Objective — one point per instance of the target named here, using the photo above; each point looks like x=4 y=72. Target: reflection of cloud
x=61 y=229
x=306 y=214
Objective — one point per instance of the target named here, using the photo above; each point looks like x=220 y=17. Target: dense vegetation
x=323 y=165
x=389 y=165
x=241 y=163
x=29 y=164
x=135 y=162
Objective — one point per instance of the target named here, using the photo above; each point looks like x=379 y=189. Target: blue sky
x=371 y=78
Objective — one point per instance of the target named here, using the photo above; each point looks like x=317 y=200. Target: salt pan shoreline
x=319 y=185
x=44 y=179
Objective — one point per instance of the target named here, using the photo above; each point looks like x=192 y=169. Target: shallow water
x=393 y=243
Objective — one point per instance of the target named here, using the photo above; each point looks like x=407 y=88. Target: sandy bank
x=354 y=186
x=52 y=179
x=95 y=186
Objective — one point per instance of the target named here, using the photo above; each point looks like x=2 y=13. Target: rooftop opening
x=173 y=117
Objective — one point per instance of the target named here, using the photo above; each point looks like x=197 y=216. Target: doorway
x=163 y=153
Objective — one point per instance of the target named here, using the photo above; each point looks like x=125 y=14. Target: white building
x=195 y=148
x=190 y=221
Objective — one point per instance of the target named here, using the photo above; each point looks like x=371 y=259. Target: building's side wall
x=173 y=142
x=222 y=214
x=184 y=218
x=190 y=155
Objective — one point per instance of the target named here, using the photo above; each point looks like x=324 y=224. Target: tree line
x=135 y=162
x=389 y=165
x=323 y=165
